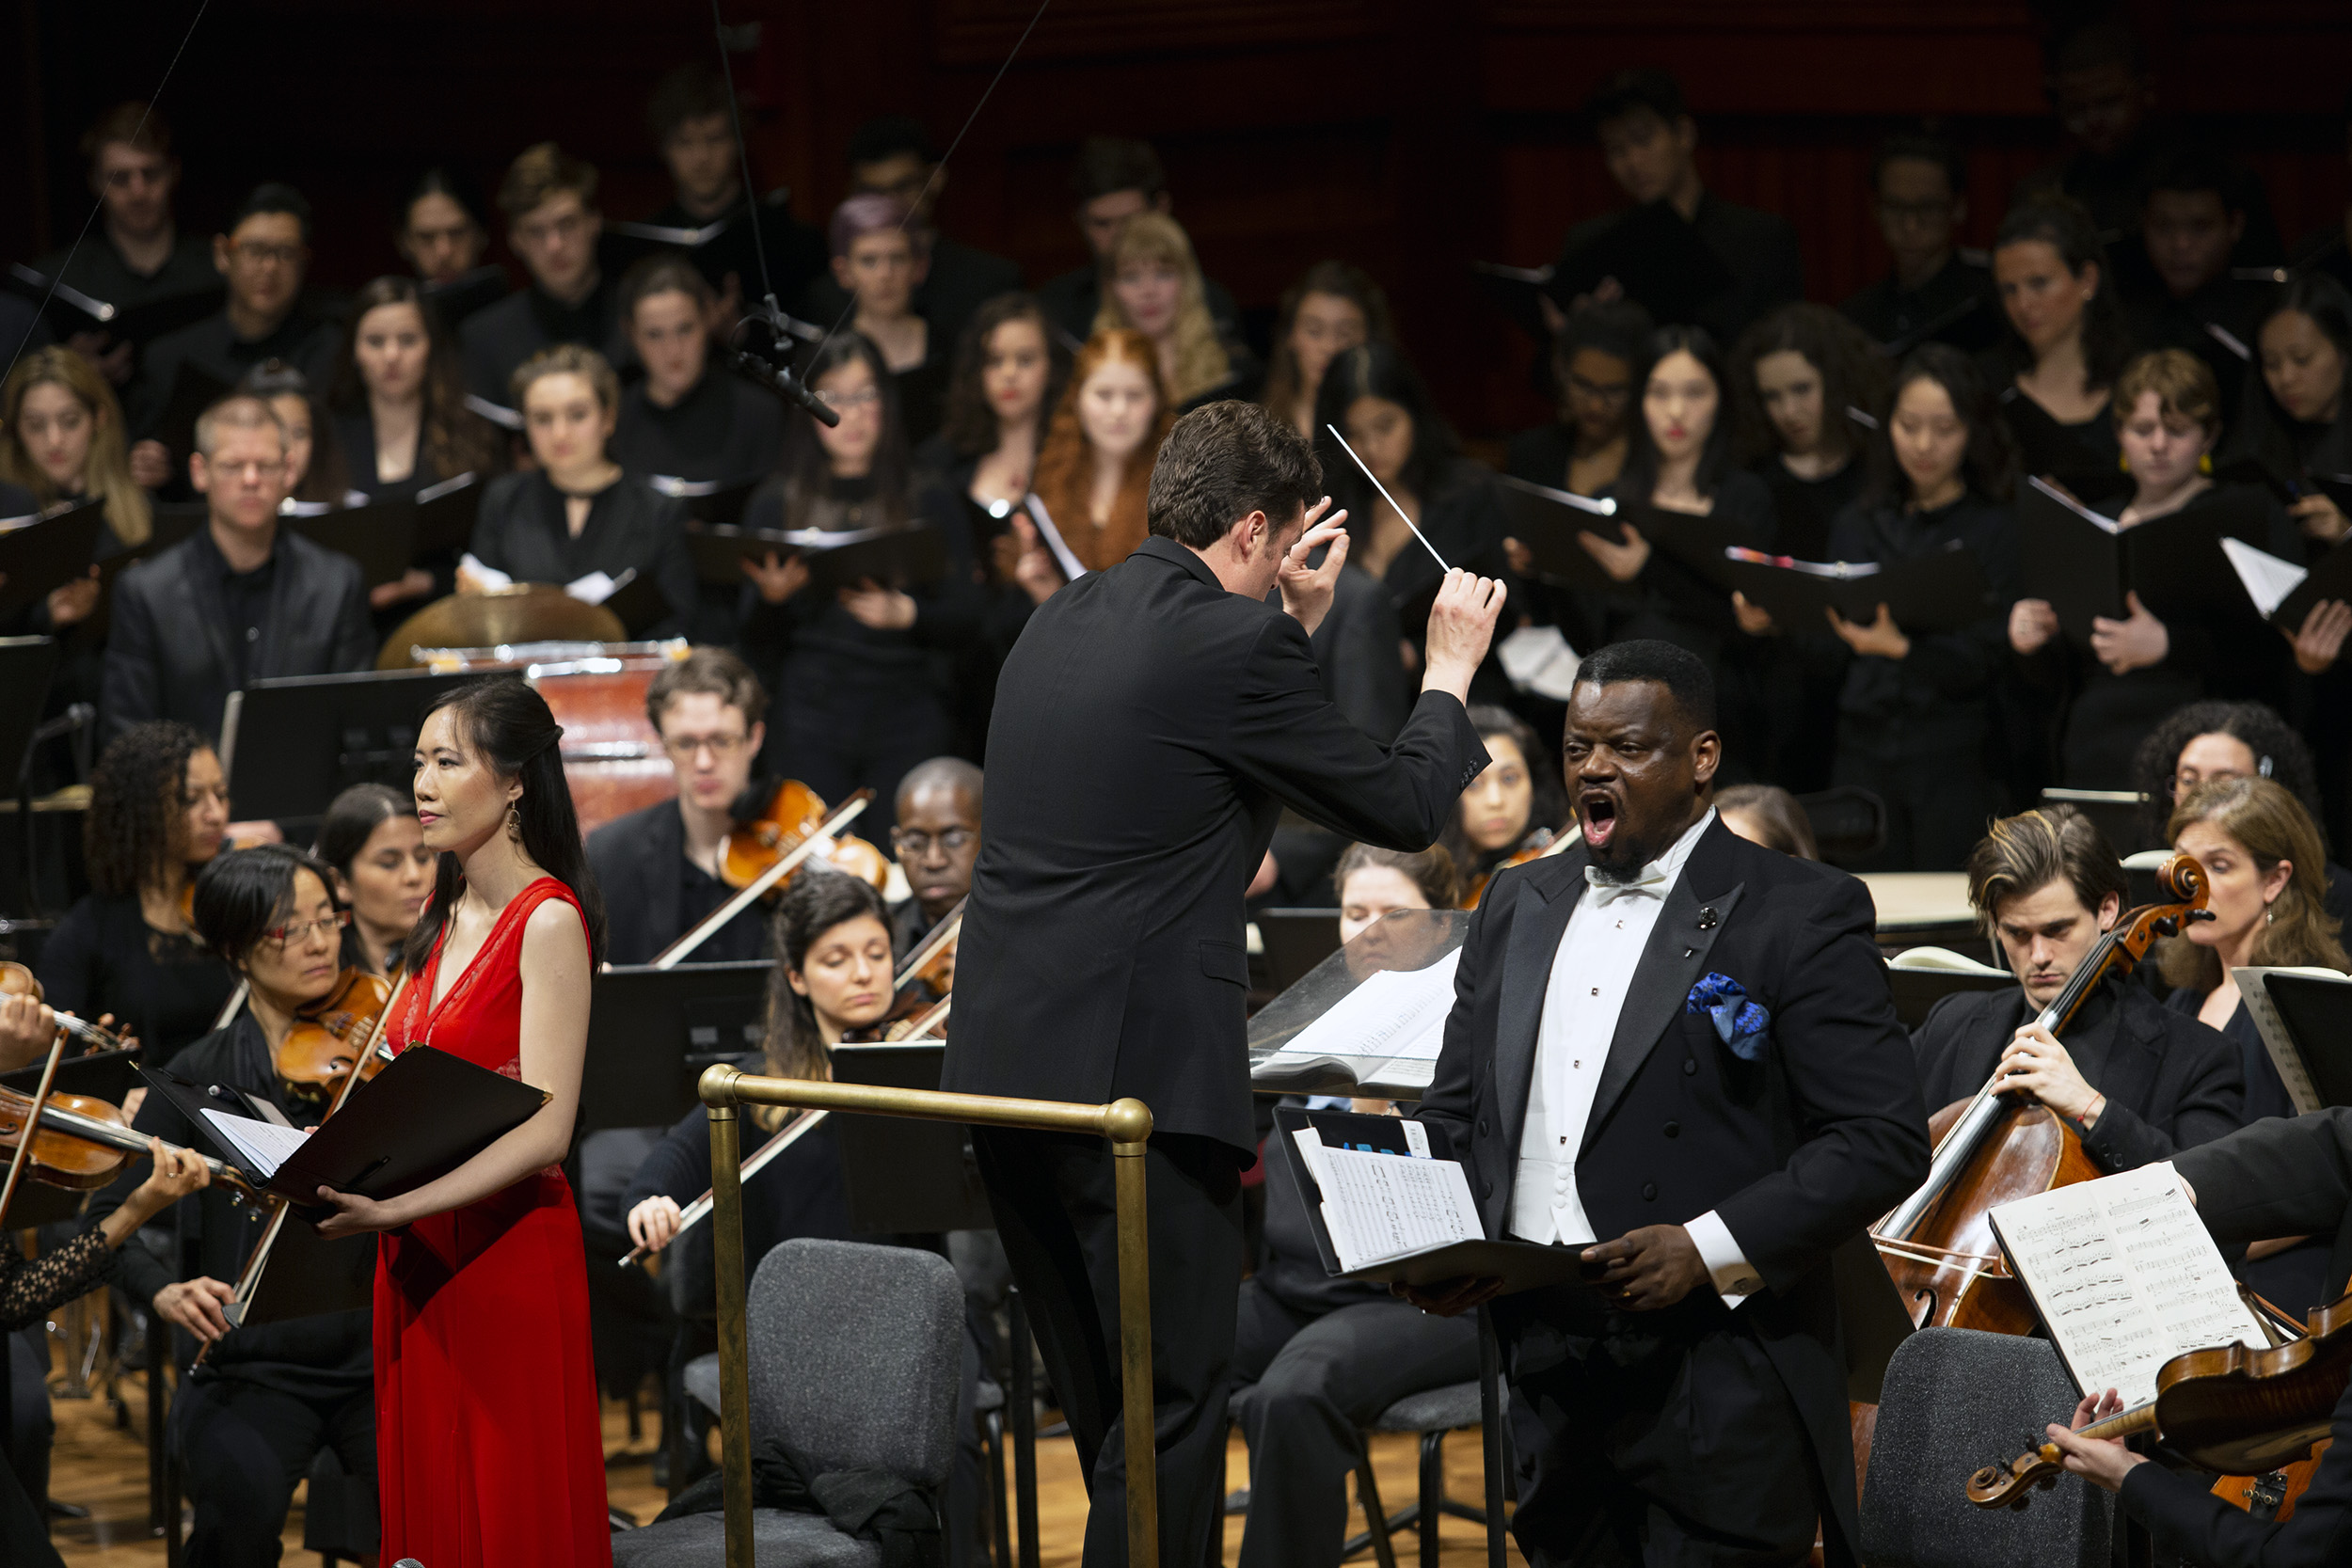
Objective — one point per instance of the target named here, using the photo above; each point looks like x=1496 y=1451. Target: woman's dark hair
x=1989 y=466
x=805 y=471
x=2068 y=228
x=244 y=893
x=1546 y=802
x=2264 y=430
x=1852 y=372
x=2280 y=752
x=662 y=272
x=970 y=424
x=1617 y=327
x=443 y=181
x=352 y=816
x=508 y=725
x=452 y=439
x=327 y=479
x=817 y=900
x=131 y=827
x=1641 y=458
x=1341 y=280
x=1379 y=369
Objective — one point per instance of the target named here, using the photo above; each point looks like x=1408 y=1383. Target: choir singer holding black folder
x=1151 y=723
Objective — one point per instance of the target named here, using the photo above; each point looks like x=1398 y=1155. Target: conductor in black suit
x=1150 y=725
x=2281 y=1177
x=1676 y=1050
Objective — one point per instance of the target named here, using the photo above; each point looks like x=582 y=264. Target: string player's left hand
x=1307 y=589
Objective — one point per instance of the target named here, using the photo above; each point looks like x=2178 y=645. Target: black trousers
x=1320 y=1380
x=244 y=1447
x=1052 y=1197
x=1669 y=1440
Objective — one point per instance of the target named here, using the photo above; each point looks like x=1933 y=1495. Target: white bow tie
x=1651 y=883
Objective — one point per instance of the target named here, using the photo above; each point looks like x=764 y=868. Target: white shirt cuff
x=1735 y=1278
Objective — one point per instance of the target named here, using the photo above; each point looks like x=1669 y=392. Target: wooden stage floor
x=105 y=1469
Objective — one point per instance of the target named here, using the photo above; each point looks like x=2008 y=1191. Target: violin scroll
x=2182 y=881
x=2014 y=1484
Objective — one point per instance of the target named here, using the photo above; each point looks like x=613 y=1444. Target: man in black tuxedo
x=1673 y=1038
x=1150 y=725
x=2279 y=1176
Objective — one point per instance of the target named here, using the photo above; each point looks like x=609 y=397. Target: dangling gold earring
x=515 y=824
x=2123 y=461
x=2204 y=464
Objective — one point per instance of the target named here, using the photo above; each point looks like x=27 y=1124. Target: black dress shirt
x=522 y=530
x=213 y=347
x=99 y=271
x=654 y=894
x=496 y=339
x=1803 y=509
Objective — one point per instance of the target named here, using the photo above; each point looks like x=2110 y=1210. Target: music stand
x=651 y=1032
x=1295 y=941
x=291 y=745
x=903 y=1177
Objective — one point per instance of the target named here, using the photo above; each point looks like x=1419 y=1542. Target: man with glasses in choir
x=937 y=839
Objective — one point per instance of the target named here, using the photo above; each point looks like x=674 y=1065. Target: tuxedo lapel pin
x=1708 y=918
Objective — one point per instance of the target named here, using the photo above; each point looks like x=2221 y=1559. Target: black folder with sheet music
x=711 y=503
x=1943 y=591
x=2083 y=564
x=381 y=537
x=46 y=555
x=2318 y=1014
x=1548 y=521
x=445 y=515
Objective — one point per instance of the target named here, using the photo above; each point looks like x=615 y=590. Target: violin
x=1541 y=844
x=82 y=1141
x=2000 y=1146
x=16 y=980
x=329 y=1038
x=786 y=821
x=2233 y=1410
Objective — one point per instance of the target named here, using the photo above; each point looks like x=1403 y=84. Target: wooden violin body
x=1540 y=844
x=16 y=980
x=59 y=1159
x=791 y=814
x=329 y=1038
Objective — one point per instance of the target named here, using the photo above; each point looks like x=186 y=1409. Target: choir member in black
x=2136 y=1079
x=577 y=511
x=1807 y=387
x=240 y=599
x=61 y=441
x=1918 y=191
x=138 y=254
x=880 y=258
x=263 y=254
x=2295 y=420
x=382 y=871
x=937 y=839
x=1322 y=1356
x=158 y=815
x=2264 y=862
x=859 y=679
x=2211 y=741
x=2193 y=219
x=692 y=124
x=688 y=419
x=1154 y=286
x=2066 y=344
x=1381 y=405
x=1515 y=806
x=2141 y=667
x=1592 y=359
x=269 y=1397
x=1114 y=179
x=1649 y=142
x=442 y=233
x=1914 y=715
x=1334 y=308
x=1770 y=815
x=552 y=223
x=314 y=460
x=891 y=156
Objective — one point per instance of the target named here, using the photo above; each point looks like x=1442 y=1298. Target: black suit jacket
x=639 y=861
x=1149 y=727
x=167 y=650
x=2170 y=1081
x=1796 y=1152
x=2277 y=1178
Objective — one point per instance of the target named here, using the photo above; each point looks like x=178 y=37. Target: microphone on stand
x=761 y=349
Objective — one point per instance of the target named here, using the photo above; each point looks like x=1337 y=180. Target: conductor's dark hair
x=2266 y=431
x=1922 y=143
x=1988 y=467
x=1641 y=458
x=1682 y=673
x=686 y=92
x=804 y=471
x=244 y=893
x=2067 y=227
x=2024 y=853
x=507 y=724
x=818 y=899
x=1382 y=370
x=132 y=830
x=352 y=816
x=1852 y=372
x=1618 y=327
x=1221 y=463
x=1636 y=90
x=887 y=136
x=441 y=180
x=970 y=423
x=1109 y=164
x=272 y=196
x=2280 y=752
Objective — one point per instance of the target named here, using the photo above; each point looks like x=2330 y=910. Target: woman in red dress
x=490 y=1453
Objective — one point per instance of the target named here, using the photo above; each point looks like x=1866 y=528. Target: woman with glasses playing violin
x=268 y=1397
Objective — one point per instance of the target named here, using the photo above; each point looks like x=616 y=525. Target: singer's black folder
x=720 y=550
x=2253 y=470
x=710 y=502
x=48 y=554
x=1943 y=591
x=382 y=538
x=445 y=515
x=1548 y=522
x=2082 y=564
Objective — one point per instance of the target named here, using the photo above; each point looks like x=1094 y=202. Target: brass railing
x=1127 y=1123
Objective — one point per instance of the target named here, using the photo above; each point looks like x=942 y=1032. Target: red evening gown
x=489 y=1447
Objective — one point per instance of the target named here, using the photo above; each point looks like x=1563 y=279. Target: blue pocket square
x=1740 y=1024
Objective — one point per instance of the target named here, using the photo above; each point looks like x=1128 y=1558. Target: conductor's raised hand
x=1307 y=589
x=1649 y=1269
x=1461 y=628
x=355 y=1215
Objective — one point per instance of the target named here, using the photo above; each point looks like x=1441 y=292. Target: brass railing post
x=735 y=1363
x=1134 y=1330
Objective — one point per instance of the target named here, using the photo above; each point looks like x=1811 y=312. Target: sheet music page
x=2126 y=1275
x=268 y=1146
x=1379 y=1207
x=2253 y=989
x=1396 y=1014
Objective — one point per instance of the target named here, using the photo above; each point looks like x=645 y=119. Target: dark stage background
x=1408 y=137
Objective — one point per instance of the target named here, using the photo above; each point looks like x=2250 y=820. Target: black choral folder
x=381 y=537
x=445 y=515
x=2083 y=564
x=1943 y=591
x=38 y=557
x=1548 y=521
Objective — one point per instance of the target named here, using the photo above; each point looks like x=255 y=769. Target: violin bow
x=949 y=928
x=32 y=1126
x=822 y=836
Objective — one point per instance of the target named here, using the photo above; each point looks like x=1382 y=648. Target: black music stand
x=1295 y=941
x=651 y=1032
x=291 y=745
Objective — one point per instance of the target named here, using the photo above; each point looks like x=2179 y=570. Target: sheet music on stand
x=2304 y=1033
x=1368 y=1020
